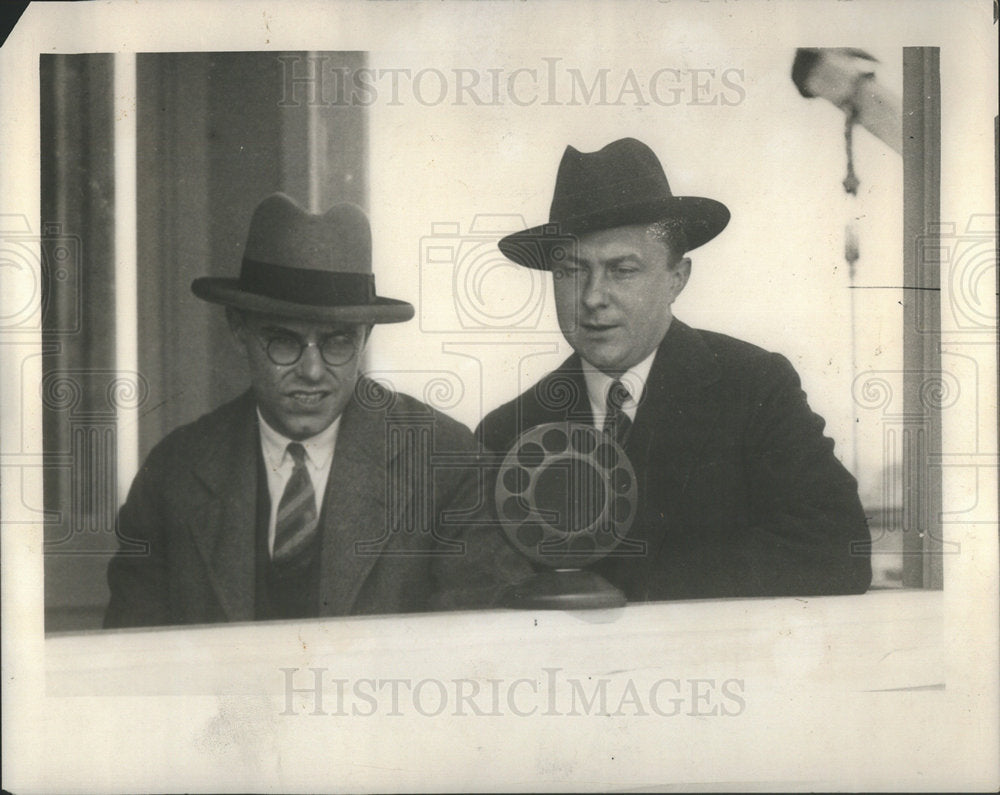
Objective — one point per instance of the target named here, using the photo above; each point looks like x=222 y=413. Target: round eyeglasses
x=286 y=349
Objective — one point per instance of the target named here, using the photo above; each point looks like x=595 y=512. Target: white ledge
x=880 y=641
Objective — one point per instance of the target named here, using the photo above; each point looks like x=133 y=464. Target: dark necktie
x=616 y=421
x=295 y=525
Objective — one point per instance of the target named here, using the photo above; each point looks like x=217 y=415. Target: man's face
x=613 y=296
x=302 y=398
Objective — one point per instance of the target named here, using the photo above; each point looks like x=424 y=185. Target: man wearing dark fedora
x=315 y=492
x=739 y=491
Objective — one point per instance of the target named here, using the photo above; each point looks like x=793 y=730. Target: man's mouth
x=311 y=397
x=596 y=328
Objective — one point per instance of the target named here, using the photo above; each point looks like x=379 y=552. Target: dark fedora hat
x=619 y=185
x=313 y=267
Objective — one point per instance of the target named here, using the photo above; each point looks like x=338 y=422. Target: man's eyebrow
x=573 y=259
x=623 y=258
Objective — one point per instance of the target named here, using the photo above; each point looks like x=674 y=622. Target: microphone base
x=568 y=589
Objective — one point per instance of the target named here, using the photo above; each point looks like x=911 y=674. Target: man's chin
x=302 y=422
x=304 y=429
x=606 y=361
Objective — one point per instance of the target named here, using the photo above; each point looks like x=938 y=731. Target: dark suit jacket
x=739 y=490
x=388 y=529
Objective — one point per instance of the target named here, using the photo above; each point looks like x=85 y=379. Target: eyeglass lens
x=335 y=349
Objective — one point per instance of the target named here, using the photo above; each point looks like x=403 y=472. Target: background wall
x=78 y=322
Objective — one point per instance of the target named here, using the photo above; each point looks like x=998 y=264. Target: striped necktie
x=295 y=526
x=616 y=421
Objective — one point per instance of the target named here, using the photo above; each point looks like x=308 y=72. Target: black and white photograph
x=499 y=396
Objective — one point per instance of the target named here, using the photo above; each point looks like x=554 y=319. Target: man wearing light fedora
x=315 y=492
x=739 y=491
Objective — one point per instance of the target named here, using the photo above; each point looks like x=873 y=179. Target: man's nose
x=595 y=293
x=311 y=365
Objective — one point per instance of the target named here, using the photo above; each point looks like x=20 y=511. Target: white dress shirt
x=598 y=383
x=279 y=465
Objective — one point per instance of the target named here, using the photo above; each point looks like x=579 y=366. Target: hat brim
x=702 y=219
x=228 y=292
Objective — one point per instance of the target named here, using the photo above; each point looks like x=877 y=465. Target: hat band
x=305 y=286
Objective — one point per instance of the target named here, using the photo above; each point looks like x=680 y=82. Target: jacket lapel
x=677 y=413
x=355 y=523
x=559 y=397
x=224 y=526
x=676 y=418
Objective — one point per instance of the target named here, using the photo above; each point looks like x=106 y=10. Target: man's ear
x=679 y=276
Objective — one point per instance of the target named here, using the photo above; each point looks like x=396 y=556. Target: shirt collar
x=319 y=448
x=599 y=383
